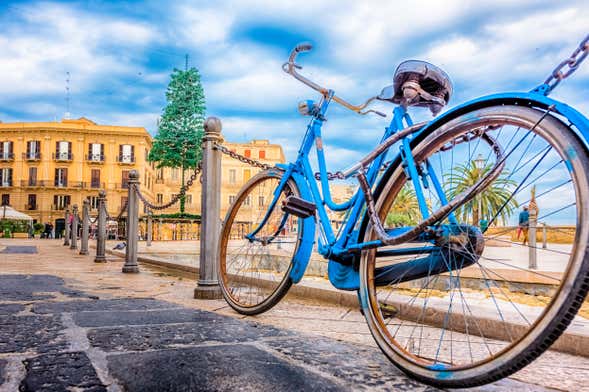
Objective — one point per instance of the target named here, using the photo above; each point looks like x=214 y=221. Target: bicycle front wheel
x=258 y=243
x=473 y=325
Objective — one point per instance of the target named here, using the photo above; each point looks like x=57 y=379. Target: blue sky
x=120 y=55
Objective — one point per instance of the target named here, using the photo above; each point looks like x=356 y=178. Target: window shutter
x=64 y=171
x=1 y=176
x=56 y=181
x=10 y=177
x=102 y=151
x=56 y=149
x=1 y=148
x=132 y=153
x=120 y=152
x=67 y=200
x=10 y=145
x=55 y=200
x=29 y=148
x=90 y=151
x=69 y=150
x=38 y=149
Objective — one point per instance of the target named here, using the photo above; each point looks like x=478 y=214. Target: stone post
x=149 y=228
x=66 y=235
x=101 y=229
x=159 y=230
x=544 y=236
x=533 y=210
x=208 y=284
x=74 y=229
x=85 y=227
x=132 y=224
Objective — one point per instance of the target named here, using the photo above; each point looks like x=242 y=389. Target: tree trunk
x=183 y=196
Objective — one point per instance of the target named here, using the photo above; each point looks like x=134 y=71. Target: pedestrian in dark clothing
x=524 y=224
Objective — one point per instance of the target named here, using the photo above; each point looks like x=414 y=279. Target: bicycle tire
x=551 y=321
x=253 y=289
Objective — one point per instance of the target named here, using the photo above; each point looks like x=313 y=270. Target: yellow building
x=48 y=166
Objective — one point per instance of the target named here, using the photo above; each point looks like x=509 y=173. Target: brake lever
x=381 y=114
x=286 y=65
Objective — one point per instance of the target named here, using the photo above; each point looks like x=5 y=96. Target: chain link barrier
x=119 y=216
x=241 y=158
x=568 y=66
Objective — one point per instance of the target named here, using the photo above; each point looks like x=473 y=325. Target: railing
x=97 y=185
x=63 y=156
x=35 y=183
x=30 y=207
x=31 y=156
x=95 y=158
x=126 y=159
x=6 y=184
x=59 y=207
x=7 y=156
x=58 y=184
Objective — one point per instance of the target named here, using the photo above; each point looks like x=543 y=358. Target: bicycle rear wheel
x=471 y=326
x=254 y=269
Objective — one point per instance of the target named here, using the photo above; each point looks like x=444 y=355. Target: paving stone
x=27 y=250
x=352 y=363
x=98 y=305
x=39 y=334
x=25 y=287
x=213 y=368
x=6 y=309
x=61 y=372
x=108 y=318
x=169 y=336
x=2 y=371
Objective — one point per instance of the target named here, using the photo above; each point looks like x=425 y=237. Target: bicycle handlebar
x=290 y=67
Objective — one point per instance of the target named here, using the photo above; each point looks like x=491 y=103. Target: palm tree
x=405 y=209
x=494 y=200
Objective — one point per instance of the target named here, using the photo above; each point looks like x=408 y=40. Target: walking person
x=524 y=224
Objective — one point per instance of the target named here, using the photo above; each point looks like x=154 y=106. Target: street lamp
x=479 y=162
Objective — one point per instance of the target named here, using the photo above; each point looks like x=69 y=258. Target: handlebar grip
x=303 y=47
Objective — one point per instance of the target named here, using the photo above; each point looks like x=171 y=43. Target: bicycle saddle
x=419 y=83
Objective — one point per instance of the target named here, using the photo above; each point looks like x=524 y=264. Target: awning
x=9 y=213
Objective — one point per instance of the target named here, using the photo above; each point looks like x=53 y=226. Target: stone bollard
x=149 y=228
x=66 y=235
x=74 y=229
x=544 y=235
x=208 y=284
x=132 y=224
x=101 y=229
x=85 y=227
x=532 y=263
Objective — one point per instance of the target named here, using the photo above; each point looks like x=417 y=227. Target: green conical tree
x=180 y=130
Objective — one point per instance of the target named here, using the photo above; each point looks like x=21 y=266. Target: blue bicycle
x=448 y=289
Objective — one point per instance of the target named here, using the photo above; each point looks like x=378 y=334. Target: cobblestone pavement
x=67 y=323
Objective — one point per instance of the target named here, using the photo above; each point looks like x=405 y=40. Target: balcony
x=5 y=184
x=31 y=183
x=60 y=184
x=97 y=185
x=7 y=156
x=31 y=156
x=95 y=158
x=126 y=159
x=63 y=156
x=77 y=184
x=59 y=207
x=31 y=207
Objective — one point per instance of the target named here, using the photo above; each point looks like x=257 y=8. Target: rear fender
x=580 y=126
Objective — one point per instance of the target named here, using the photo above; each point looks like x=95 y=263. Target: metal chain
x=241 y=158
x=568 y=66
x=176 y=197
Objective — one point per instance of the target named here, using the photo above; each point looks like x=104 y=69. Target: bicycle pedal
x=298 y=207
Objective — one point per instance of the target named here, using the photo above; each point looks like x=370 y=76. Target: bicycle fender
x=531 y=99
x=579 y=121
x=301 y=258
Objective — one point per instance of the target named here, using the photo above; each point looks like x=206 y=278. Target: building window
x=247 y=153
x=32 y=204
x=125 y=179
x=126 y=153
x=6 y=176
x=188 y=199
x=160 y=198
x=96 y=152
x=33 y=150
x=95 y=178
x=231 y=199
x=159 y=174
x=61 y=202
x=63 y=151
x=32 y=176
x=174 y=173
x=262 y=154
x=5 y=199
x=6 y=152
x=93 y=202
x=61 y=177
x=246 y=202
x=232 y=176
x=260 y=201
x=247 y=174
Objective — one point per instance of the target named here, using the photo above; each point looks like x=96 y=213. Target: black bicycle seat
x=431 y=79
